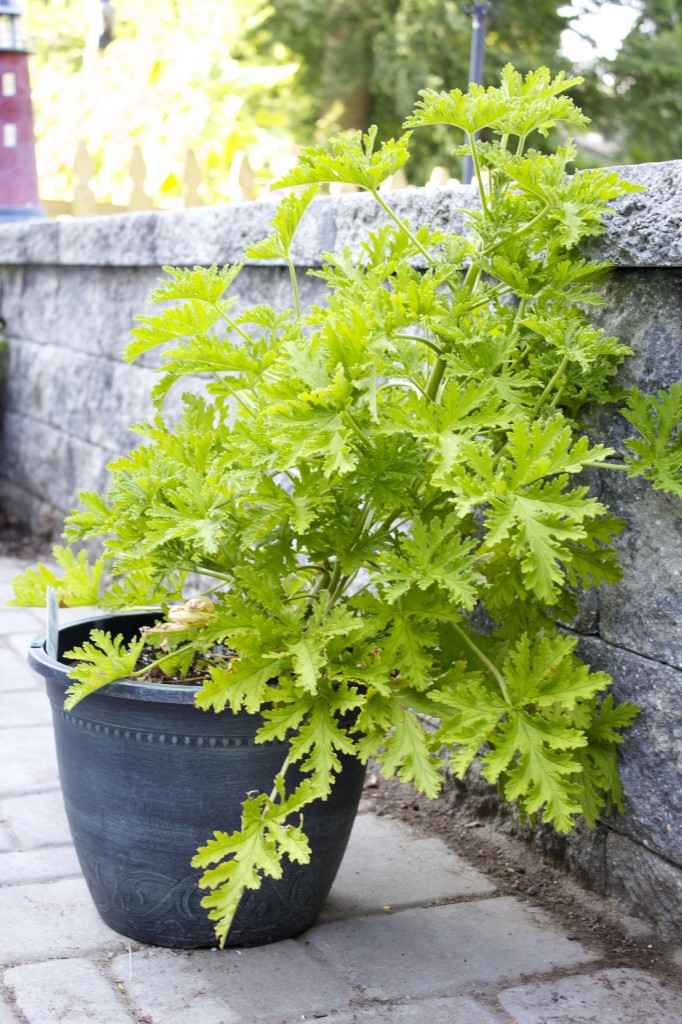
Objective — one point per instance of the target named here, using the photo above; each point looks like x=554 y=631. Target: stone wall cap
x=646 y=227
x=644 y=231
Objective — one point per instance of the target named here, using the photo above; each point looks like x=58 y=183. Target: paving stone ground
x=411 y=934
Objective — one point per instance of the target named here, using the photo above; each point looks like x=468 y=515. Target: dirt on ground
x=518 y=869
x=17 y=542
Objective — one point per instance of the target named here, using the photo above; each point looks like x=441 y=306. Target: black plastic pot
x=147 y=778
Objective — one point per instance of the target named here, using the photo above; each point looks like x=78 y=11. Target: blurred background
x=170 y=103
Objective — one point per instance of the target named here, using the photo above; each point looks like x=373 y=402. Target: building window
x=9 y=83
x=9 y=136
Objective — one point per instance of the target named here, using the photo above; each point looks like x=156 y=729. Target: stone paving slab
x=66 y=991
x=15 y=673
x=26 y=866
x=27 y=709
x=28 y=762
x=6 y=1015
x=487 y=940
x=618 y=996
x=51 y=920
x=386 y=864
x=427 y=1011
x=6 y=843
x=267 y=983
x=20 y=620
x=6 y=590
x=37 y=819
x=19 y=643
x=10 y=565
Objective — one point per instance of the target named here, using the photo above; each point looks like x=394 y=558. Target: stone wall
x=68 y=294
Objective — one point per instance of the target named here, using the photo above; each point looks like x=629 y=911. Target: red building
x=18 y=175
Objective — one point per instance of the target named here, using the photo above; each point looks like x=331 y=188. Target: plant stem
x=338 y=581
x=321 y=583
x=248 y=407
x=494 y=671
x=477 y=167
x=415 y=241
x=282 y=772
x=364 y=520
x=519 y=232
x=424 y=341
x=209 y=572
x=358 y=429
x=435 y=378
x=557 y=374
x=473 y=276
x=494 y=293
x=294 y=286
x=236 y=327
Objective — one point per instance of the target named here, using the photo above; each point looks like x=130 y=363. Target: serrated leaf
x=288 y=216
x=352 y=161
x=206 y=284
x=544 y=671
x=409 y=647
x=242 y=685
x=318 y=745
x=658 y=450
x=78 y=585
x=471 y=112
x=407 y=753
x=102 y=660
x=308 y=659
x=434 y=554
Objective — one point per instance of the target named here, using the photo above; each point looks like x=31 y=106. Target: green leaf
x=543 y=778
x=409 y=648
x=574 y=338
x=289 y=214
x=518 y=107
x=352 y=160
x=479 y=108
x=540 y=740
x=242 y=685
x=205 y=284
x=103 y=659
x=434 y=554
x=246 y=857
x=408 y=753
x=308 y=660
x=658 y=450
x=203 y=288
x=318 y=744
x=79 y=584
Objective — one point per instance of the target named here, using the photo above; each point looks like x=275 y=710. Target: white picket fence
x=242 y=185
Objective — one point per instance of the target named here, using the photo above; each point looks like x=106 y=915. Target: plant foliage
x=364 y=480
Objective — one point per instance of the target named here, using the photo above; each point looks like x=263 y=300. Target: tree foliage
x=646 y=98
x=168 y=83
x=362 y=64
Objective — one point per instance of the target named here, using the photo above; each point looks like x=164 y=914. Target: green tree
x=647 y=75
x=363 y=64
x=168 y=82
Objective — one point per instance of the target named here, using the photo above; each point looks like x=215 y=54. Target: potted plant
x=359 y=485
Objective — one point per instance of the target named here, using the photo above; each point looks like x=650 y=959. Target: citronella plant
x=363 y=475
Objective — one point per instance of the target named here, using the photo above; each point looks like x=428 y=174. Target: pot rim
x=57 y=672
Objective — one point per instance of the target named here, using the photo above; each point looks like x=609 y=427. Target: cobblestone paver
x=410 y=934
